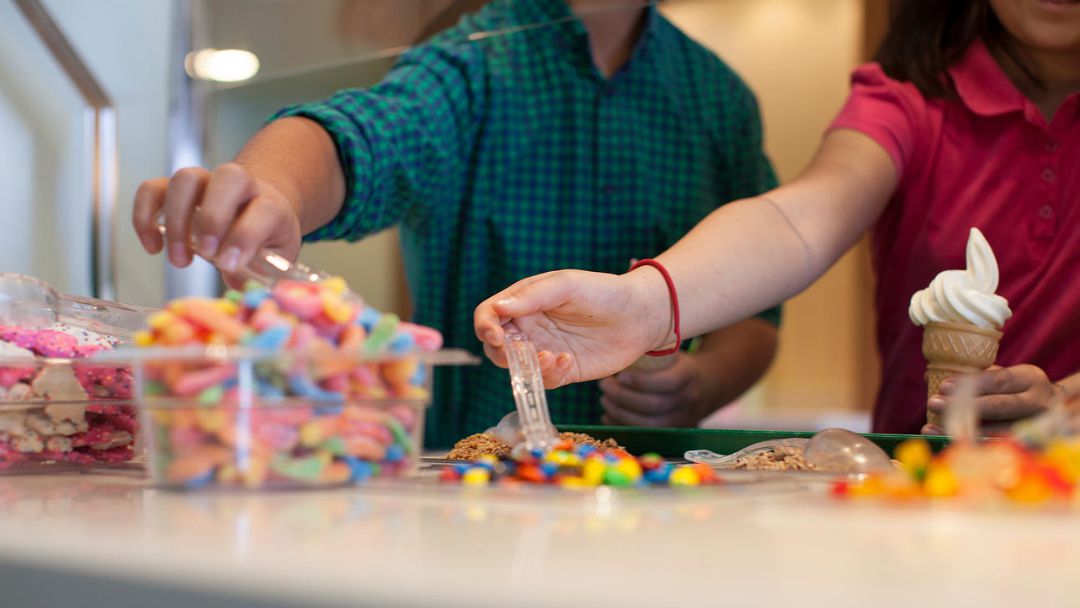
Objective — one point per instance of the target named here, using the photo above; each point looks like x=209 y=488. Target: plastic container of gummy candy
x=59 y=407
x=292 y=386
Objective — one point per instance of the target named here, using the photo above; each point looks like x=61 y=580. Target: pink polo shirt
x=987 y=159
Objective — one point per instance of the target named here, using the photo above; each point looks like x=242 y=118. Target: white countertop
x=780 y=544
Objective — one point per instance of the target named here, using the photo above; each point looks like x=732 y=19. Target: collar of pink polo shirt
x=985 y=88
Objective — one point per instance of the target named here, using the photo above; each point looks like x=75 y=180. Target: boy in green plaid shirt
x=527 y=138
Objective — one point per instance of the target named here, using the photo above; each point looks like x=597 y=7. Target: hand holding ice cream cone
x=961 y=316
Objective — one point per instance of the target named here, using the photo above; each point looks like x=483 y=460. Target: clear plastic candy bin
x=59 y=409
x=64 y=413
x=240 y=418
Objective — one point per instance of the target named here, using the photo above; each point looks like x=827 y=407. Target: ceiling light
x=221 y=65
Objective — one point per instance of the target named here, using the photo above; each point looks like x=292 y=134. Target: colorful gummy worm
x=326 y=333
x=293 y=315
x=582 y=466
x=999 y=470
x=303 y=445
x=338 y=399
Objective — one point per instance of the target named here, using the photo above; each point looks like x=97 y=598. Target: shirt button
x=1046 y=212
x=1052 y=146
x=1048 y=175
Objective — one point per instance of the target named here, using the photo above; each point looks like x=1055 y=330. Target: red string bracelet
x=674 y=305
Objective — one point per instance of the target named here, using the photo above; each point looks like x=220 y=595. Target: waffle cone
x=952 y=349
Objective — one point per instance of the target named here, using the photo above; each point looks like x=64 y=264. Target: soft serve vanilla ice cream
x=964 y=296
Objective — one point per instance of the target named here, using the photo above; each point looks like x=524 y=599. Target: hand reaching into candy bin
x=232 y=212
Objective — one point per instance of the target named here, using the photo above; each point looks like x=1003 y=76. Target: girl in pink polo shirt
x=970 y=117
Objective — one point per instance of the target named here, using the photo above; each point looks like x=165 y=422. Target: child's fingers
x=230 y=188
x=1009 y=406
x=1002 y=380
x=488 y=325
x=497 y=355
x=536 y=294
x=149 y=199
x=259 y=223
x=182 y=195
x=560 y=372
x=616 y=414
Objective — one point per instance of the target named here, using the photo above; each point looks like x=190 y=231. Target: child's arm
x=750 y=255
x=743 y=258
x=351 y=165
x=731 y=359
x=285 y=181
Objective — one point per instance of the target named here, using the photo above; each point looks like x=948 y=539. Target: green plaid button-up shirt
x=506 y=156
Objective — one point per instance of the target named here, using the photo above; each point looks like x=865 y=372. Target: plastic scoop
x=831 y=450
x=723 y=461
x=509 y=429
x=29 y=302
x=268 y=268
x=841 y=451
x=527 y=384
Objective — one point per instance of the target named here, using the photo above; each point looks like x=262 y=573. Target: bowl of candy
x=289 y=386
x=60 y=408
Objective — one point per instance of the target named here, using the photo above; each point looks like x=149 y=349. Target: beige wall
x=797 y=55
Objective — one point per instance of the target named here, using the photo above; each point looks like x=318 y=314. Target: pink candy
x=427 y=338
x=194 y=382
x=44 y=342
x=294 y=298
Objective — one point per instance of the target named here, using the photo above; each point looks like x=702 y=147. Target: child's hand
x=676 y=395
x=1003 y=395
x=228 y=214
x=585 y=325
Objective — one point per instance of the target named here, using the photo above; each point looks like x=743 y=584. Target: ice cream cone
x=952 y=349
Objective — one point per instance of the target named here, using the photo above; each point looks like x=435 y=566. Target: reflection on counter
x=51 y=501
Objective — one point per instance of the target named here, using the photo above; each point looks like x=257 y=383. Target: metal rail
x=188 y=105
x=105 y=162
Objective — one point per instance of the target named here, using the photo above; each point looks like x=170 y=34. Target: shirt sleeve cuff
x=353 y=153
x=880 y=135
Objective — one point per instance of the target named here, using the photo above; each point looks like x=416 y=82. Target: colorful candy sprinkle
x=582 y=466
x=1000 y=470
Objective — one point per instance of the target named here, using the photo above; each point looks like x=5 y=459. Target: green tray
x=673 y=443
